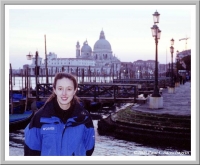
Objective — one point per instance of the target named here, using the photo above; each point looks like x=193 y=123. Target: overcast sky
x=126 y=28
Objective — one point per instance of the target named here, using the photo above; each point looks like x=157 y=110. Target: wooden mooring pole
x=11 y=90
x=27 y=88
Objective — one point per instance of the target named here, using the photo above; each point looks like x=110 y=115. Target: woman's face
x=65 y=92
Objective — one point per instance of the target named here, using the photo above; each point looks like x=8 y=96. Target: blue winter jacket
x=47 y=135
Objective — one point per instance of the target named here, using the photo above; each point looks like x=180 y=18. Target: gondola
x=20 y=121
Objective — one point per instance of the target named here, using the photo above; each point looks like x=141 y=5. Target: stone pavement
x=178 y=103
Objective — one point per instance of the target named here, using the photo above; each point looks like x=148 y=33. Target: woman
x=62 y=127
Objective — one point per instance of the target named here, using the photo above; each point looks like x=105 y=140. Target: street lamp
x=29 y=57
x=177 y=75
x=177 y=60
x=156 y=33
x=172 y=51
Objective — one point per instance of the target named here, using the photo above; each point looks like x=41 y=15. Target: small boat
x=18 y=103
x=91 y=106
x=95 y=116
x=18 y=97
x=19 y=117
x=20 y=121
x=94 y=106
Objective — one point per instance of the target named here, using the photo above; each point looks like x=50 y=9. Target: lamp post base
x=171 y=89
x=156 y=102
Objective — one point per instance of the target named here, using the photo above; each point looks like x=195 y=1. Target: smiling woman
x=62 y=127
x=65 y=92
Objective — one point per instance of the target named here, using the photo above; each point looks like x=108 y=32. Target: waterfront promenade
x=178 y=103
x=167 y=126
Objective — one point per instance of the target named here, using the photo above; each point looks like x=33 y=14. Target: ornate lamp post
x=156 y=34
x=29 y=57
x=156 y=100
x=177 y=83
x=172 y=73
x=177 y=60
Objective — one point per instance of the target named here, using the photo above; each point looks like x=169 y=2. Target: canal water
x=105 y=145
x=19 y=82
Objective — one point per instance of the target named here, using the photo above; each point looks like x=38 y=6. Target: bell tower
x=77 y=50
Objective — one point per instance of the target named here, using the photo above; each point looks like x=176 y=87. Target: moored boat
x=20 y=121
x=21 y=114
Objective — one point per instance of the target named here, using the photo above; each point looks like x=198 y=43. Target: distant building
x=144 y=69
x=99 y=61
x=183 y=54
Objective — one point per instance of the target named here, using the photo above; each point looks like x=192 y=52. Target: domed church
x=102 y=54
x=100 y=60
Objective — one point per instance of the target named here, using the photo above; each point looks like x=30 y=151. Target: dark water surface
x=105 y=146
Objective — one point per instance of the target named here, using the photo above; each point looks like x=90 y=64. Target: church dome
x=102 y=43
x=86 y=48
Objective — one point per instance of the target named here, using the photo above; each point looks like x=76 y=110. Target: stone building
x=99 y=61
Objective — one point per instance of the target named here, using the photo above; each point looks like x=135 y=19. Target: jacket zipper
x=64 y=128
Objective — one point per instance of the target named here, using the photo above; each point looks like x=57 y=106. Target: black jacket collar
x=78 y=111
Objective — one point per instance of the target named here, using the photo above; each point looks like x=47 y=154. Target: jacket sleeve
x=89 y=138
x=32 y=141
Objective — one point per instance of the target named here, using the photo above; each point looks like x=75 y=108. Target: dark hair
x=59 y=76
